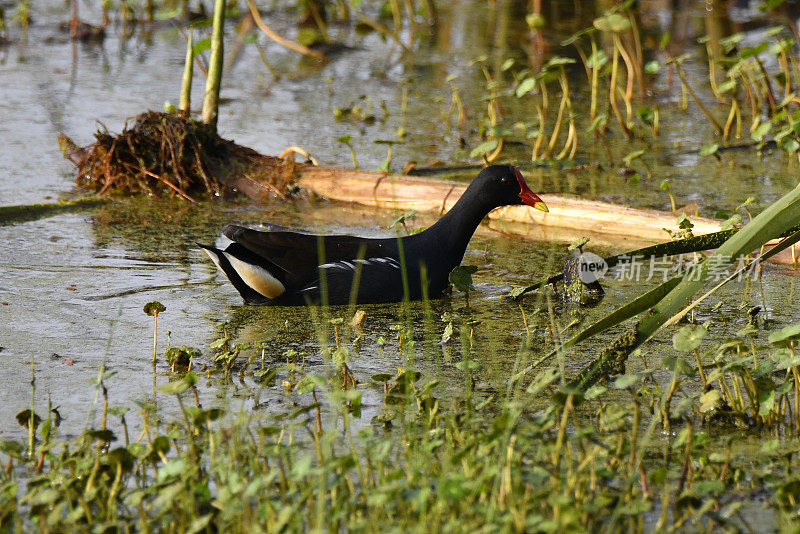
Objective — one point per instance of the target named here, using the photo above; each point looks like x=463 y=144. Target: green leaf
x=507 y=64
x=613 y=22
x=789 y=145
x=785 y=336
x=201 y=46
x=709 y=150
x=753 y=50
x=652 y=67
x=499 y=131
x=599 y=122
x=558 y=61
x=340 y=356
x=727 y=87
x=645 y=114
x=762 y=130
x=710 y=400
x=484 y=148
x=597 y=60
x=626 y=381
x=461 y=277
x=345 y=139
x=632 y=156
x=689 y=337
x=766 y=401
x=595 y=391
x=309 y=383
x=469 y=365
x=179 y=386
x=448 y=332
x=24 y=418
x=535 y=21
x=678 y=365
x=154 y=308
x=577 y=244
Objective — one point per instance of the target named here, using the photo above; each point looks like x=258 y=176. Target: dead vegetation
x=165 y=153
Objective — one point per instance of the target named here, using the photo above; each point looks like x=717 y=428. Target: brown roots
x=167 y=153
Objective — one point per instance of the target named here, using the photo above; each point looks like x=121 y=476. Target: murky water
x=73 y=285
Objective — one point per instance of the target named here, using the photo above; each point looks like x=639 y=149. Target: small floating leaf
x=710 y=401
x=469 y=365
x=499 y=131
x=179 y=386
x=651 y=67
x=461 y=277
x=483 y=148
x=632 y=156
x=578 y=243
x=645 y=114
x=762 y=130
x=381 y=377
x=612 y=23
x=626 y=381
x=678 y=365
x=709 y=150
x=785 y=335
x=689 y=337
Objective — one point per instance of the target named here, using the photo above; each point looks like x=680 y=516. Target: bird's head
x=505 y=185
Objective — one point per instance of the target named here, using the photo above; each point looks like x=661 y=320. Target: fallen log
x=568 y=219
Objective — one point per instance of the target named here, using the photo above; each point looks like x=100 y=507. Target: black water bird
x=291 y=268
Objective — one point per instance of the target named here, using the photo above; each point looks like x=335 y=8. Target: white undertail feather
x=214 y=258
x=254 y=276
x=257 y=277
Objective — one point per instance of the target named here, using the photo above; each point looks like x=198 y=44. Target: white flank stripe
x=349 y=265
x=256 y=277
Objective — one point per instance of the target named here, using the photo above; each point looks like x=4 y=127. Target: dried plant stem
x=539 y=138
x=697 y=100
x=628 y=67
x=612 y=92
x=736 y=115
x=286 y=43
x=593 y=104
x=559 y=119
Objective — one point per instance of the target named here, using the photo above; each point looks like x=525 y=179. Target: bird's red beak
x=529 y=197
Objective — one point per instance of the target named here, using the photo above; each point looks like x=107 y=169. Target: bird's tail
x=255 y=284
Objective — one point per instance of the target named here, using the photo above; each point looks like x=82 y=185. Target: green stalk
x=772 y=222
x=186 y=83
x=214 y=80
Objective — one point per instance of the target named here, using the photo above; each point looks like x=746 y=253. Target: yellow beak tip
x=541 y=206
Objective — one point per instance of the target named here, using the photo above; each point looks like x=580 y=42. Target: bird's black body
x=290 y=268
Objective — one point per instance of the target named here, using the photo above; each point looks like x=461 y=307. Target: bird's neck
x=454 y=230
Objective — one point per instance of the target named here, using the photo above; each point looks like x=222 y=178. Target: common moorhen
x=291 y=268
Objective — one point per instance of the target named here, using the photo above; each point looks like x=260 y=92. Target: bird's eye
x=504 y=180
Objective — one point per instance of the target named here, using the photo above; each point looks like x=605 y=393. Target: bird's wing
x=296 y=254
x=369 y=280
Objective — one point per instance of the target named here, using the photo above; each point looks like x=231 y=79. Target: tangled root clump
x=168 y=153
